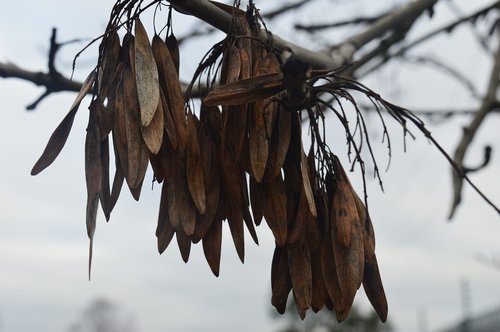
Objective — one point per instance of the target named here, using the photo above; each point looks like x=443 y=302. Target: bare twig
x=53 y=81
x=353 y=21
x=285 y=8
x=447 y=69
x=447 y=28
x=489 y=102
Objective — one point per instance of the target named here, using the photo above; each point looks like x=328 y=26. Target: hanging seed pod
x=278 y=147
x=111 y=57
x=281 y=282
x=146 y=74
x=208 y=153
x=170 y=85
x=93 y=177
x=153 y=133
x=184 y=244
x=137 y=152
x=212 y=243
x=299 y=263
x=194 y=169
x=60 y=134
x=257 y=201
x=164 y=230
x=231 y=189
x=173 y=48
x=275 y=212
x=235 y=66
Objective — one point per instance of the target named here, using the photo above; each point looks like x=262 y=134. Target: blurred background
x=435 y=272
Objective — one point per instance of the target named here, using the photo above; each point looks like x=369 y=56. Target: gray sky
x=43 y=242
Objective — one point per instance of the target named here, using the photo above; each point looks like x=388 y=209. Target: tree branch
x=489 y=103
x=53 y=81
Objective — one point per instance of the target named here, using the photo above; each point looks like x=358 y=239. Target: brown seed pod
x=60 y=134
x=146 y=75
x=278 y=147
x=170 y=85
x=212 y=242
x=194 y=168
x=281 y=283
x=164 y=230
x=210 y=166
x=274 y=199
x=184 y=244
x=137 y=152
x=299 y=263
x=153 y=133
x=173 y=48
x=233 y=204
x=93 y=177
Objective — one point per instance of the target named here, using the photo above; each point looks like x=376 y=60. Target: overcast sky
x=43 y=242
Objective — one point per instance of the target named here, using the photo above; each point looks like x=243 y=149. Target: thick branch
x=60 y=83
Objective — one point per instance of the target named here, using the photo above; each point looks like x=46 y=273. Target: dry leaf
x=60 y=134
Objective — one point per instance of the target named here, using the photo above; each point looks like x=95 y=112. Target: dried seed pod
x=278 y=147
x=137 y=152
x=194 y=169
x=298 y=218
x=257 y=140
x=281 y=283
x=173 y=48
x=233 y=205
x=169 y=83
x=111 y=54
x=168 y=121
x=146 y=74
x=210 y=166
x=275 y=212
x=93 y=177
x=372 y=282
x=236 y=66
x=60 y=134
x=257 y=201
x=212 y=242
x=330 y=277
x=184 y=244
x=164 y=230
x=153 y=133
x=299 y=263
x=120 y=128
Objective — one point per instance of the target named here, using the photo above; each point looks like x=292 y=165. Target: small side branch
x=490 y=102
x=53 y=81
